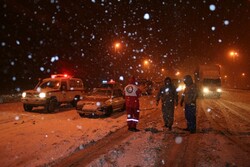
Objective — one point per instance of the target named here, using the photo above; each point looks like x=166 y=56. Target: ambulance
x=52 y=92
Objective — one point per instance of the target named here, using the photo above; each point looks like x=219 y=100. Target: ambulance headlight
x=42 y=95
x=24 y=94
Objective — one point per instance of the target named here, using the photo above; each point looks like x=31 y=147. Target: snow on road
x=37 y=139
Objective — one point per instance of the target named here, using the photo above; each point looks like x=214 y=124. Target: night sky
x=44 y=37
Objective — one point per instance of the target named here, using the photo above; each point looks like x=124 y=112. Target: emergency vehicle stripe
x=134 y=120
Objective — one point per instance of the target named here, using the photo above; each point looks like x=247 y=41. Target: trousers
x=190 y=115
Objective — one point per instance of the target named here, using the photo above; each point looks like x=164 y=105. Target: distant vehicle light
x=42 y=95
x=24 y=94
x=205 y=90
x=219 y=90
x=111 y=81
x=104 y=81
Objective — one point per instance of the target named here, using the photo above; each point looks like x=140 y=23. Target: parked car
x=110 y=84
x=51 y=92
x=102 y=101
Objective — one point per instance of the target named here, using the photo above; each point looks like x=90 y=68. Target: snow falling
x=42 y=38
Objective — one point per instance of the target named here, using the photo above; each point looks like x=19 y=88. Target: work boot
x=135 y=130
x=193 y=131
x=130 y=129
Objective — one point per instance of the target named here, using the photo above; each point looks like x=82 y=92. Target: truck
x=208 y=80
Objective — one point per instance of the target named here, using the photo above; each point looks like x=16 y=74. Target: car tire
x=81 y=114
x=108 y=111
x=27 y=107
x=51 y=105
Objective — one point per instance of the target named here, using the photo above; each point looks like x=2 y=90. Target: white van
x=52 y=92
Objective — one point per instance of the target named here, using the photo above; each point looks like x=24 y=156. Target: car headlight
x=24 y=94
x=42 y=95
x=219 y=90
x=205 y=90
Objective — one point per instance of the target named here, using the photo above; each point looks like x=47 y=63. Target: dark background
x=44 y=37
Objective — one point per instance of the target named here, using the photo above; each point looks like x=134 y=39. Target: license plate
x=89 y=107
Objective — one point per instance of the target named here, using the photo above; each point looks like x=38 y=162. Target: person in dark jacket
x=169 y=98
x=132 y=94
x=189 y=97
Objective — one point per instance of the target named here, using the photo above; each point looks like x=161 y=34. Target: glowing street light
x=146 y=62
x=177 y=73
x=233 y=54
x=117 y=46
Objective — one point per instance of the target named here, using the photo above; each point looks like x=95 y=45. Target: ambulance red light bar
x=111 y=81
x=60 y=76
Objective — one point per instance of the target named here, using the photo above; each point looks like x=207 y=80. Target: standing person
x=169 y=99
x=132 y=94
x=189 y=97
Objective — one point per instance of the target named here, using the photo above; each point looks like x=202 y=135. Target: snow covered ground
x=38 y=139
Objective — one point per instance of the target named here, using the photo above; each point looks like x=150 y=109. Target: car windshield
x=50 y=84
x=102 y=92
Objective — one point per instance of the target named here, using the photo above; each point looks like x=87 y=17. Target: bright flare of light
x=17 y=118
x=146 y=16
x=219 y=90
x=146 y=62
x=42 y=95
x=98 y=104
x=121 y=78
x=117 y=45
x=24 y=94
x=233 y=53
x=212 y=7
x=167 y=89
x=209 y=110
x=205 y=90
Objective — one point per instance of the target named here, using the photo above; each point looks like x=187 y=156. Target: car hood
x=34 y=91
x=95 y=99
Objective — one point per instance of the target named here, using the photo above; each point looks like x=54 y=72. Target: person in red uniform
x=132 y=94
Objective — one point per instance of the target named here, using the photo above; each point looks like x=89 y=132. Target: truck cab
x=208 y=80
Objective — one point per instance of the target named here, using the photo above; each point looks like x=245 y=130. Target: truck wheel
x=81 y=114
x=51 y=105
x=27 y=107
x=108 y=111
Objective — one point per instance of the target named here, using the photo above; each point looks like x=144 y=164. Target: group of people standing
x=169 y=99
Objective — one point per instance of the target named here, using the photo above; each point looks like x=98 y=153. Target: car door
x=118 y=99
